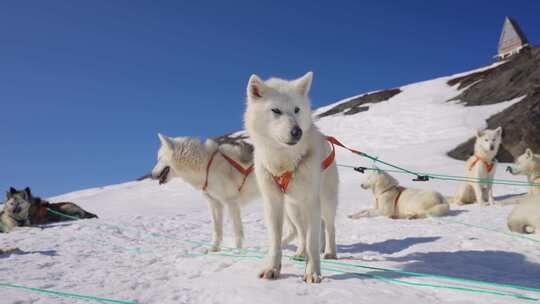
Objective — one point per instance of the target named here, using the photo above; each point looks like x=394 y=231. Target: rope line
x=65 y=294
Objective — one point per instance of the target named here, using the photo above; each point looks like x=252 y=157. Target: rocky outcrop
x=358 y=104
x=521 y=121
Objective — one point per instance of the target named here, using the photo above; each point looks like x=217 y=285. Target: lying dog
x=23 y=209
x=525 y=218
x=397 y=202
x=528 y=164
x=481 y=165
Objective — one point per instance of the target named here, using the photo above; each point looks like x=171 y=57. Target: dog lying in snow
x=482 y=165
x=23 y=209
x=397 y=202
x=528 y=164
x=290 y=169
x=525 y=218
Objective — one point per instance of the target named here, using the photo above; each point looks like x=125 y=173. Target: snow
x=144 y=247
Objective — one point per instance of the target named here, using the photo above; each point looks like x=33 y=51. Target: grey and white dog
x=16 y=209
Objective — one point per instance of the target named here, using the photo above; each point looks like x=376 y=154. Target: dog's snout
x=492 y=147
x=296 y=133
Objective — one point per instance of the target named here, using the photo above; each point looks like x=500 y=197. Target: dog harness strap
x=400 y=190
x=283 y=180
x=208 y=170
x=327 y=162
x=244 y=171
x=488 y=166
x=334 y=141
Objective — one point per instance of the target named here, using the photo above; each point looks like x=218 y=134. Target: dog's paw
x=214 y=248
x=270 y=273
x=330 y=256
x=312 y=278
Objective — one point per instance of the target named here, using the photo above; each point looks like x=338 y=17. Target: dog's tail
x=520 y=227
x=439 y=210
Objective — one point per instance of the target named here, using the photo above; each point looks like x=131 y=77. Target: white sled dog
x=525 y=218
x=481 y=165
x=289 y=156
x=397 y=202
x=528 y=164
x=211 y=168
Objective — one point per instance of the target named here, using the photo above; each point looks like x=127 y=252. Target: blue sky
x=86 y=85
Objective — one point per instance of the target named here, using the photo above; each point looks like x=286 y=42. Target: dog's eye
x=276 y=111
x=296 y=110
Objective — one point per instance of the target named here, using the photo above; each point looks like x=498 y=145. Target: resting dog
x=528 y=164
x=23 y=209
x=397 y=202
x=289 y=154
x=481 y=166
x=525 y=218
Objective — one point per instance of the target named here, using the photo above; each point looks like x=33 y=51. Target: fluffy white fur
x=485 y=148
x=528 y=164
x=275 y=108
x=188 y=157
x=412 y=203
x=525 y=218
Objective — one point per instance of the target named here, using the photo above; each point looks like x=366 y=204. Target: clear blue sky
x=86 y=85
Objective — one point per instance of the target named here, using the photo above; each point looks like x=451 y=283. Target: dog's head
x=178 y=156
x=378 y=181
x=278 y=110
x=488 y=141
x=526 y=164
x=18 y=203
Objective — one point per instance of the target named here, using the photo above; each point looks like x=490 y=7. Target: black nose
x=296 y=133
x=492 y=147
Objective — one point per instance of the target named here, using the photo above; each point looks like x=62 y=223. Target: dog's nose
x=296 y=133
x=492 y=147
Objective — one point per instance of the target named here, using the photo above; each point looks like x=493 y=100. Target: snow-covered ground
x=145 y=247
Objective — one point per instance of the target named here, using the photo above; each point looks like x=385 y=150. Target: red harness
x=488 y=166
x=283 y=180
x=244 y=171
x=400 y=189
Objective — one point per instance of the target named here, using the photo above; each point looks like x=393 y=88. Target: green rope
x=64 y=294
x=338 y=263
x=451 y=177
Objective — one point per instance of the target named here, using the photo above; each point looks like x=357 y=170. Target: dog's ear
x=256 y=89
x=479 y=134
x=165 y=141
x=12 y=190
x=304 y=83
x=529 y=153
x=28 y=192
x=498 y=131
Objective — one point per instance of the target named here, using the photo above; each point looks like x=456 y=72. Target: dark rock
x=354 y=105
x=521 y=121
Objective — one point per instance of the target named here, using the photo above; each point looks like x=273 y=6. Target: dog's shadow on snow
x=387 y=246
x=17 y=251
x=501 y=267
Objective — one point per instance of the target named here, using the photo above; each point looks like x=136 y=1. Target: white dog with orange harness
x=481 y=169
x=294 y=169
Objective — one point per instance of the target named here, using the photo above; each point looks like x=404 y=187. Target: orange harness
x=244 y=171
x=488 y=166
x=283 y=180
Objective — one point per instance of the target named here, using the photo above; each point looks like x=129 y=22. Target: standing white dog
x=211 y=168
x=528 y=164
x=481 y=167
x=289 y=152
x=397 y=202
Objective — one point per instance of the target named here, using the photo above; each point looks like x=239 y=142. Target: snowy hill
x=147 y=244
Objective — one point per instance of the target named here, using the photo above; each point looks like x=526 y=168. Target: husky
x=207 y=167
x=16 y=209
x=23 y=209
x=528 y=164
x=397 y=202
x=525 y=217
x=482 y=165
x=289 y=155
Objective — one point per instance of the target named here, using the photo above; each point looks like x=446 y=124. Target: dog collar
x=489 y=166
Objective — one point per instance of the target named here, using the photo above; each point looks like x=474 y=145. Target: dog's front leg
x=234 y=211
x=313 y=267
x=295 y=216
x=478 y=193
x=216 y=209
x=273 y=210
